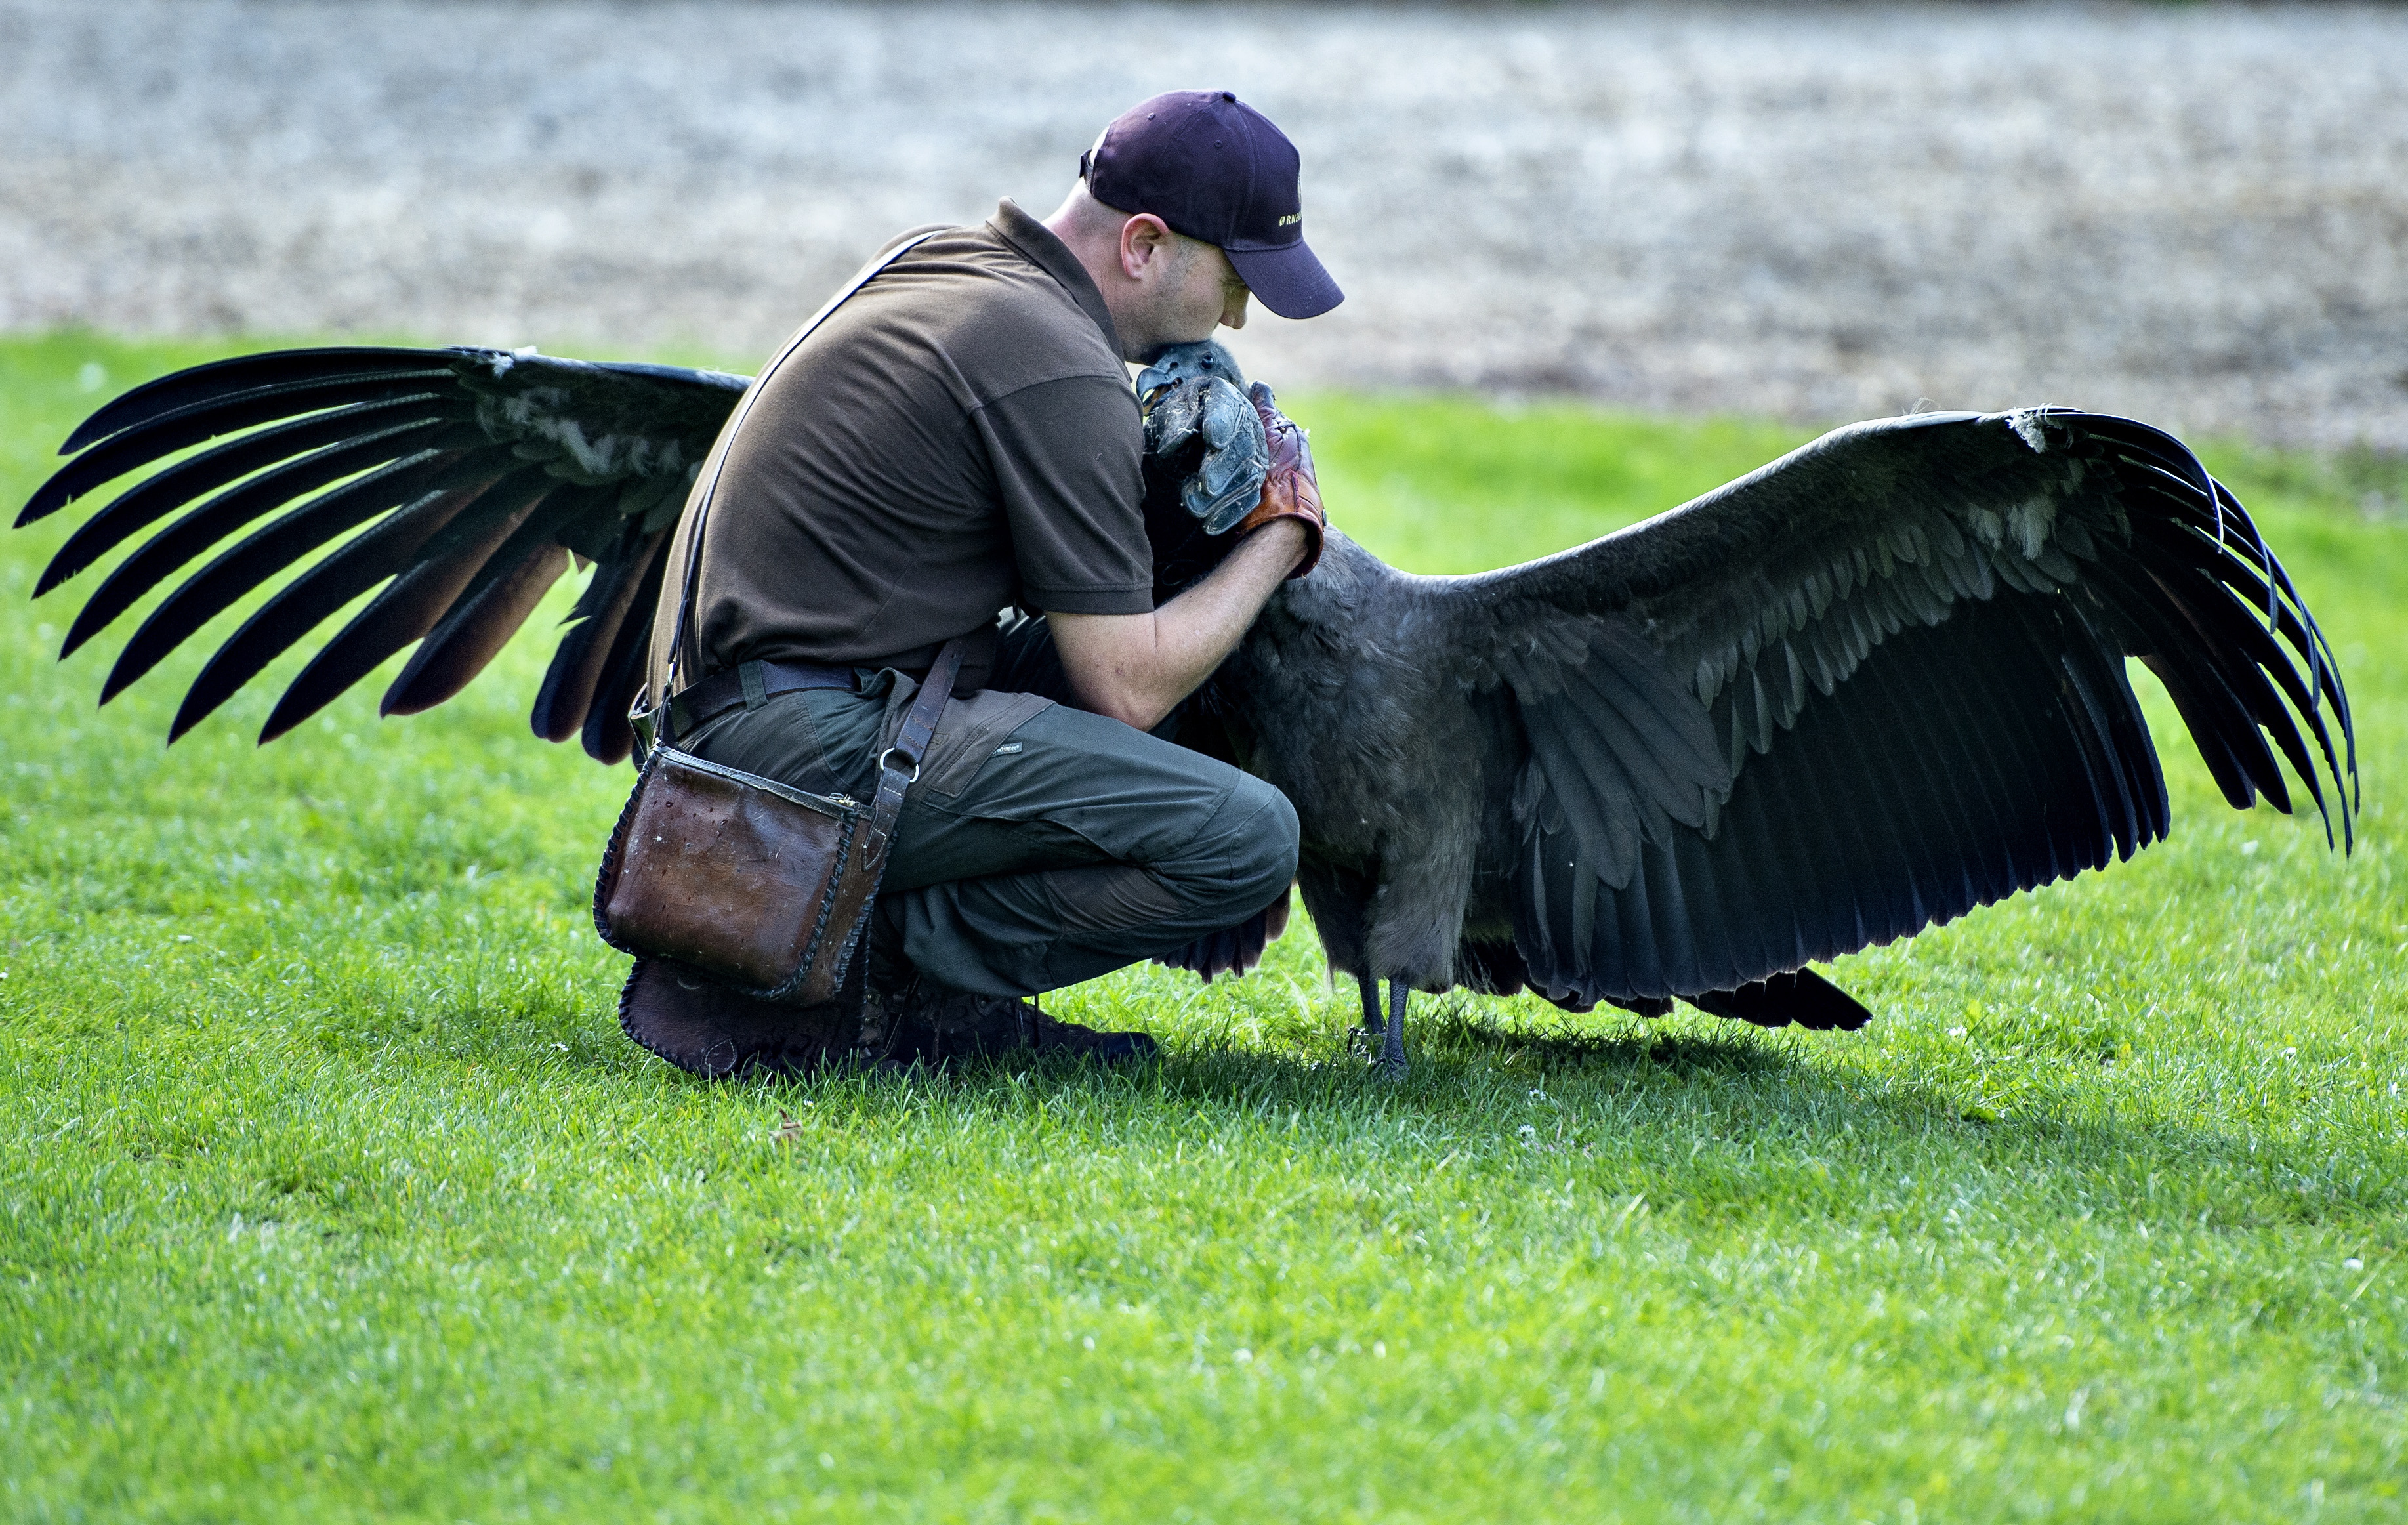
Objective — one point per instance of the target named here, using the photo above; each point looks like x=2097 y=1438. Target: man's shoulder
x=1003 y=322
x=924 y=232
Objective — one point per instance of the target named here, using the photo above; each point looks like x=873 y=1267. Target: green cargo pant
x=1042 y=845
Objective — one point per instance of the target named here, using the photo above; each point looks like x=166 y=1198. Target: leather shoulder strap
x=899 y=764
x=707 y=483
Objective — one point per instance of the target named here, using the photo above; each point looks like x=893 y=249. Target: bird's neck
x=1333 y=597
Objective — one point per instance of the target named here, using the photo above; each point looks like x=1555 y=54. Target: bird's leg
x=1392 y=1055
x=1365 y=1039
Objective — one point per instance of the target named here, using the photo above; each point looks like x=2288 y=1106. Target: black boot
x=922 y=1023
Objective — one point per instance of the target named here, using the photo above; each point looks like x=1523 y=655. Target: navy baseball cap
x=1215 y=168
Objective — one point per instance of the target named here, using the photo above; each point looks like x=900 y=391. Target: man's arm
x=1135 y=667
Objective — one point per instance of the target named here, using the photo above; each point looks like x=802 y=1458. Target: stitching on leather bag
x=802 y=975
x=608 y=880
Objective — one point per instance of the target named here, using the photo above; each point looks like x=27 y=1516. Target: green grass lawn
x=332 y=1191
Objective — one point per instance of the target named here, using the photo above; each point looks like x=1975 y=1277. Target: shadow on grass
x=1729 y=1123
x=1638 y=1043
x=1467 y=1066
x=1466 y=1071
x=1730 y=1118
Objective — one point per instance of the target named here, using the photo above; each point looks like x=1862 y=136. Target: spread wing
x=461 y=480
x=1879 y=683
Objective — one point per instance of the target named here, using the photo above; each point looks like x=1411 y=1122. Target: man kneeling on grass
x=960 y=437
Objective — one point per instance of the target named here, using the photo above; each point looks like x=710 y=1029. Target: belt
x=750 y=685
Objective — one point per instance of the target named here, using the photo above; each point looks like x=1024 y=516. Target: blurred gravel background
x=2197 y=214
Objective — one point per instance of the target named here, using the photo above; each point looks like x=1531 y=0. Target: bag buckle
x=644 y=719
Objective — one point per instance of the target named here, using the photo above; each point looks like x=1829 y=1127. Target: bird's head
x=1198 y=418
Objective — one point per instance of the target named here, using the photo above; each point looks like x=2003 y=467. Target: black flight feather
x=408 y=606
x=491 y=608
x=246 y=374
x=189 y=426
x=580 y=664
x=364 y=561
x=215 y=588
x=382 y=455
x=163 y=491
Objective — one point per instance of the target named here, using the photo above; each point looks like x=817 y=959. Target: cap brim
x=1290 y=281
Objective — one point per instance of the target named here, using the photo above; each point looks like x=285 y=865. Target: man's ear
x=1144 y=239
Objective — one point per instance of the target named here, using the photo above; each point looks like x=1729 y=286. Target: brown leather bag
x=763 y=888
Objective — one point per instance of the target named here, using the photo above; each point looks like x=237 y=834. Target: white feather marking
x=2031 y=522
x=2025 y=423
x=535 y=414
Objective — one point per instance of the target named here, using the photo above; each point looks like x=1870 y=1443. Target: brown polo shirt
x=957 y=439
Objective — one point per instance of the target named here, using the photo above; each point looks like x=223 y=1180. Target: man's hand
x=1290 y=490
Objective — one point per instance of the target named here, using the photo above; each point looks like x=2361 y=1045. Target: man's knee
x=1253 y=837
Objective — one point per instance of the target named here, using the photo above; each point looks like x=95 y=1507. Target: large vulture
x=1858 y=692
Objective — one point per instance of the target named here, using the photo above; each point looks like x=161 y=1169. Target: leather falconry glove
x=1192 y=398
x=1290 y=490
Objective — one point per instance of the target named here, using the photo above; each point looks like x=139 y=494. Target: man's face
x=1191 y=290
